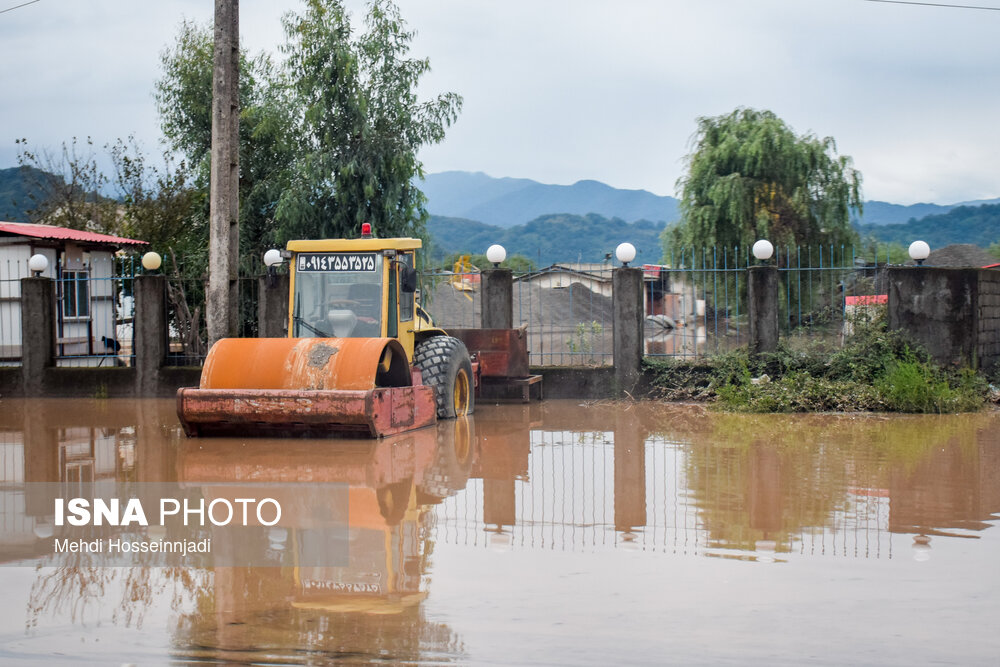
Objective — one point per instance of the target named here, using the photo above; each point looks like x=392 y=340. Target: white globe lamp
x=37 y=264
x=151 y=261
x=763 y=250
x=919 y=251
x=496 y=253
x=272 y=257
x=625 y=252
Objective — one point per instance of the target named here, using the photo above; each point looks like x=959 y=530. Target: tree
x=160 y=206
x=67 y=188
x=267 y=133
x=360 y=124
x=328 y=138
x=751 y=177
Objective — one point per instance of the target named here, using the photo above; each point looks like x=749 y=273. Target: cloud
x=563 y=91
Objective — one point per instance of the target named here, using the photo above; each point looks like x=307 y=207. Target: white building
x=83 y=265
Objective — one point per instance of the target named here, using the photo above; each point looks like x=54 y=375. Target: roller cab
x=361 y=359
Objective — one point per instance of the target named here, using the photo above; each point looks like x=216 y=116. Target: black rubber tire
x=443 y=361
x=453 y=458
x=393 y=500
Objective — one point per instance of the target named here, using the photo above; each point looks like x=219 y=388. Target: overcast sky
x=560 y=91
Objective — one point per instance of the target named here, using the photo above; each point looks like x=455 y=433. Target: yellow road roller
x=361 y=358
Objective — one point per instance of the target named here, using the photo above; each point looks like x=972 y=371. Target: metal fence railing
x=566 y=311
x=822 y=288
x=696 y=303
x=186 y=320
x=568 y=314
x=94 y=310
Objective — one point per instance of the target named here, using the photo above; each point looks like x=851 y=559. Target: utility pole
x=222 y=312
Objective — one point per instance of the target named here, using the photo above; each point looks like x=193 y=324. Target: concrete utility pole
x=222 y=310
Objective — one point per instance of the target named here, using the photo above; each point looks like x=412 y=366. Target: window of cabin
x=75 y=294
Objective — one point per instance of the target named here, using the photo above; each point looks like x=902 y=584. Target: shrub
x=875 y=371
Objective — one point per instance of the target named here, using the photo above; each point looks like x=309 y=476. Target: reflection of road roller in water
x=362 y=358
x=391 y=484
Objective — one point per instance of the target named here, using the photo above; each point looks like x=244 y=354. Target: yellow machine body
x=353 y=323
x=315 y=304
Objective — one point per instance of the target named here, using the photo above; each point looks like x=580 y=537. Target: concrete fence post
x=272 y=307
x=763 y=308
x=498 y=299
x=38 y=333
x=149 y=333
x=627 y=321
x=938 y=309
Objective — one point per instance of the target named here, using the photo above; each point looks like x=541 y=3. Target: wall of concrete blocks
x=988 y=334
x=954 y=314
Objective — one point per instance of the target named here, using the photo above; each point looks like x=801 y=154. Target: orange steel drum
x=305 y=386
x=306 y=363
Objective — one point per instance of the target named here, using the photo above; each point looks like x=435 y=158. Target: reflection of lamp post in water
x=499 y=510
x=630 y=478
x=921 y=548
x=765 y=501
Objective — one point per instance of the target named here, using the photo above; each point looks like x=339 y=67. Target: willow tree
x=751 y=177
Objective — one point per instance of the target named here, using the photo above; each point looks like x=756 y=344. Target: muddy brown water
x=551 y=533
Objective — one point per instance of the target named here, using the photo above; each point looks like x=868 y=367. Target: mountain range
x=506 y=202
x=587 y=220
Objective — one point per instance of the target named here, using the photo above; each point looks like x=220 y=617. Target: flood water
x=551 y=533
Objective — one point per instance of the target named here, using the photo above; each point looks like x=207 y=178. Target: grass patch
x=875 y=370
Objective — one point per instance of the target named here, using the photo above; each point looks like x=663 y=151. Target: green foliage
x=750 y=177
x=158 y=204
x=979 y=225
x=328 y=137
x=873 y=251
x=582 y=340
x=360 y=124
x=516 y=263
x=909 y=385
x=875 y=371
x=267 y=142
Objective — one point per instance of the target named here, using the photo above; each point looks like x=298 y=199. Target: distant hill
x=512 y=201
x=19 y=191
x=884 y=213
x=506 y=202
x=548 y=239
x=979 y=225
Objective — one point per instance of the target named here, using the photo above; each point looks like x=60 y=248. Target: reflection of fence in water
x=573 y=499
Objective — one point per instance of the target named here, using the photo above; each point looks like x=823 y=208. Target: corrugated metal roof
x=61 y=233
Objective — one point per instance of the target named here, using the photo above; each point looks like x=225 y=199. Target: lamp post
x=497 y=290
x=762 y=295
x=271 y=260
x=919 y=251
